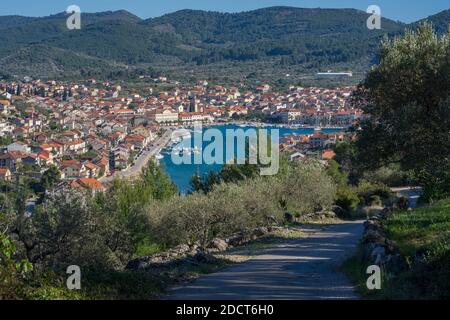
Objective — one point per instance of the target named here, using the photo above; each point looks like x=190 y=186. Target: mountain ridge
x=280 y=38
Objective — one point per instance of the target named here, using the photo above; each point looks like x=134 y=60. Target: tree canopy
x=407 y=97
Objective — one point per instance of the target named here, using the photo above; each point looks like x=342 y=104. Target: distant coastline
x=250 y=124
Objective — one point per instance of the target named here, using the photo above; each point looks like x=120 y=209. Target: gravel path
x=305 y=268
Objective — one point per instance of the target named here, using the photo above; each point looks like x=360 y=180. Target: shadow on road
x=304 y=268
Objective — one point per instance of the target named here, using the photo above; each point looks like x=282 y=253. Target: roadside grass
x=420 y=229
x=355 y=270
x=146 y=248
x=422 y=234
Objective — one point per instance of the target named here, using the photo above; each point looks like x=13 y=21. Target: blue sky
x=403 y=10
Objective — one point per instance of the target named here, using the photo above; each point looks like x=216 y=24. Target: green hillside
x=272 y=41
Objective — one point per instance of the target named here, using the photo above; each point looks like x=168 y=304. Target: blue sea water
x=181 y=174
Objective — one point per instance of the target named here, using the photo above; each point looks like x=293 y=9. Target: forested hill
x=440 y=21
x=111 y=43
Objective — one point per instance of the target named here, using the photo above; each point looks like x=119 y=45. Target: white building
x=19 y=146
x=164 y=116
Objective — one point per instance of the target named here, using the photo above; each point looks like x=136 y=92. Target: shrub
x=391 y=176
x=366 y=190
x=334 y=171
x=375 y=200
x=347 y=199
x=237 y=207
x=304 y=188
x=228 y=209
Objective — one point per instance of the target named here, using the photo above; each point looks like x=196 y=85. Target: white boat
x=159 y=157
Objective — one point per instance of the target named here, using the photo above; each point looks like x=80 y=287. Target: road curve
x=303 y=269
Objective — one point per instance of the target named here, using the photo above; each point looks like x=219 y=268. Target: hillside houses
x=91 y=129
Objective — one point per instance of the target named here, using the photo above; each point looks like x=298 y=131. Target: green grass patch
x=422 y=234
x=420 y=229
x=147 y=248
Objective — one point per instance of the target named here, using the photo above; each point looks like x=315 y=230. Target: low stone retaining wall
x=194 y=253
x=377 y=248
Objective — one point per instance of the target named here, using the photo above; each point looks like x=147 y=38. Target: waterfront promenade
x=141 y=162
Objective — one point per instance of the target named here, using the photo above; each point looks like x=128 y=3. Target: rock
x=181 y=249
x=218 y=245
x=326 y=214
x=341 y=213
x=236 y=240
x=194 y=246
x=330 y=214
x=373 y=236
x=274 y=229
x=371 y=225
x=378 y=255
x=375 y=218
x=164 y=255
x=260 y=232
x=367 y=251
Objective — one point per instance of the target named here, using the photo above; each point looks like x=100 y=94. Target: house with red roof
x=88 y=184
x=5 y=174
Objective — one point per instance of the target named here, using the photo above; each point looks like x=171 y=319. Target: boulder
x=378 y=255
x=371 y=225
x=367 y=251
x=274 y=229
x=325 y=214
x=373 y=236
x=181 y=249
x=236 y=240
x=218 y=245
x=341 y=213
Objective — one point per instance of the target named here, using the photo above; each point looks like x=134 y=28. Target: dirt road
x=305 y=268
